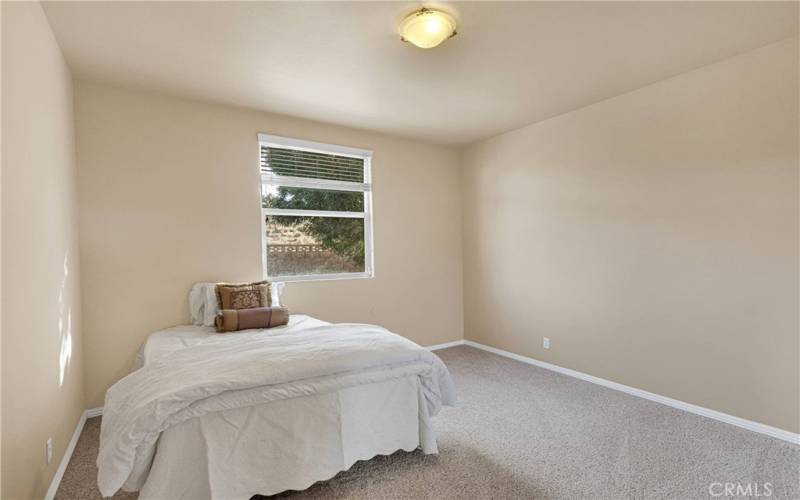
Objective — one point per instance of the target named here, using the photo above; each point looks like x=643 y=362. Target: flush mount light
x=427 y=28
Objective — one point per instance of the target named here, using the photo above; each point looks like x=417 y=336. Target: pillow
x=203 y=301
x=244 y=295
x=203 y=304
x=277 y=291
x=231 y=320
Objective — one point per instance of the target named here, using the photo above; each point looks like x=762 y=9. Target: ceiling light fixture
x=427 y=28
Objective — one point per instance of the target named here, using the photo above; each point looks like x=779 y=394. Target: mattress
x=164 y=342
x=303 y=431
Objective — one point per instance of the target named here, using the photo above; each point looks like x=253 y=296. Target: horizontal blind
x=311 y=165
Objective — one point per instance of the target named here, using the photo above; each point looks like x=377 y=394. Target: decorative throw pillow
x=244 y=295
x=230 y=320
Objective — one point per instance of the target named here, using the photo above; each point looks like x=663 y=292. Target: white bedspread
x=200 y=374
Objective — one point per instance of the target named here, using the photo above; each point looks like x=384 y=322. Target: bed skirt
x=288 y=444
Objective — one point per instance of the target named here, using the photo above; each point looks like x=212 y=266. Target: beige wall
x=653 y=237
x=42 y=374
x=169 y=196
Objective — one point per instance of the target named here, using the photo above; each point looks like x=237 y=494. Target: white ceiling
x=510 y=65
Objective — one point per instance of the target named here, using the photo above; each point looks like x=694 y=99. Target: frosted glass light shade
x=427 y=28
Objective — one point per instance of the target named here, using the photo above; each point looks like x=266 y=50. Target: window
x=316 y=207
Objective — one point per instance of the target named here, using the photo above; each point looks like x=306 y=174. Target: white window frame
x=331 y=185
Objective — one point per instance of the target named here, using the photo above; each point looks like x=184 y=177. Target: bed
x=228 y=416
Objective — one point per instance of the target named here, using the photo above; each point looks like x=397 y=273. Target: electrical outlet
x=49 y=450
x=546 y=342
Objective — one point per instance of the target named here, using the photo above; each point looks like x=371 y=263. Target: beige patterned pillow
x=244 y=295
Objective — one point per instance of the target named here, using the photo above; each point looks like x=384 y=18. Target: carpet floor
x=524 y=432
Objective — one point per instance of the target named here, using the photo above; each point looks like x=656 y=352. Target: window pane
x=311 y=199
x=314 y=245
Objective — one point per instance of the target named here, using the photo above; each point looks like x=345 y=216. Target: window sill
x=321 y=277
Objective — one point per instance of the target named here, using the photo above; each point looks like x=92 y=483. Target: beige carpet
x=524 y=432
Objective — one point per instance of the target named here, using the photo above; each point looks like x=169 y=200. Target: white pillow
x=203 y=306
x=276 y=292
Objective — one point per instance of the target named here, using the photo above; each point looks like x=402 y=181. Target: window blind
x=311 y=165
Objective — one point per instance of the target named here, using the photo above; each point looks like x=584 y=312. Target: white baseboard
x=62 y=467
x=94 y=412
x=445 y=345
x=674 y=403
x=681 y=405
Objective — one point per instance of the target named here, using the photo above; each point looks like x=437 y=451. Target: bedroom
x=573 y=225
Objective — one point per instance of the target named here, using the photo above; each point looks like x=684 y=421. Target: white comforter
x=245 y=369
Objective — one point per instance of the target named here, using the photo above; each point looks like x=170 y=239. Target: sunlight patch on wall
x=64 y=327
